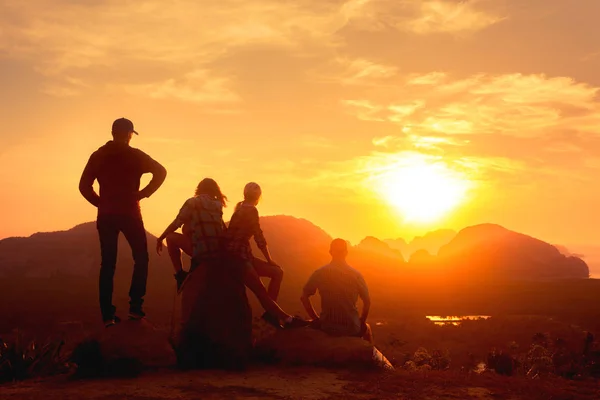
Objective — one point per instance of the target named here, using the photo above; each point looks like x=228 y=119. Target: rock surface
x=124 y=349
x=307 y=346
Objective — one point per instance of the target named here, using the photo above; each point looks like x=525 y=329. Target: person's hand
x=159 y=246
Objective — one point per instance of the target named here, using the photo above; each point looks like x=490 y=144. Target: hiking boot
x=136 y=313
x=180 y=277
x=271 y=319
x=296 y=323
x=111 y=321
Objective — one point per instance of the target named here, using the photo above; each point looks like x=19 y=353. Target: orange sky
x=319 y=101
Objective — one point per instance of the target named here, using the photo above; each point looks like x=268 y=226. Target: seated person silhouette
x=204 y=233
x=244 y=225
x=339 y=286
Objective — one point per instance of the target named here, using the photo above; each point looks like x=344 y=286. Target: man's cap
x=338 y=246
x=123 y=125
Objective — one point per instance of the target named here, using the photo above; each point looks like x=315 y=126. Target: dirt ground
x=396 y=339
x=302 y=383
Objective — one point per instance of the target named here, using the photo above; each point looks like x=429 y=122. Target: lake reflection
x=454 y=320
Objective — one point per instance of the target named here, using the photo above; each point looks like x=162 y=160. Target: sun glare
x=423 y=191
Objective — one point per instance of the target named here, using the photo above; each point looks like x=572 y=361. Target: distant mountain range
x=487 y=248
x=55 y=273
x=431 y=242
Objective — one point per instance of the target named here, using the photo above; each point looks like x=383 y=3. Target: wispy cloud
x=156 y=45
x=432 y=78
x=100 y=41
x=417 y=142
x=198 y=86
x=515 y=104
x=511 y=128
x=76 y=35
x=354 y=72
x=65 y=87
x=450 y=16
x=424 y=17
x=364 y=109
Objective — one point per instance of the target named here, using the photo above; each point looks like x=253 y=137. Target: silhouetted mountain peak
x=299 y=231
x=373 y=244
x=431 y=241
x=492 y=247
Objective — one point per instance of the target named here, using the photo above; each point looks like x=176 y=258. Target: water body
x=455 y=319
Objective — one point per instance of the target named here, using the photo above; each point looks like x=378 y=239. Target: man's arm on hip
x=159 y=174
x=86 y=183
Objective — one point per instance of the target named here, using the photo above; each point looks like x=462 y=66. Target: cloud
x=514 y=104
x=505 y=130
x=432 y=78
x=364 y=109
x=198 y=86
x=369 y=111
x=63 y=35
x=401 y=111
x=65 y=87
x=75 y=35
x=417 y=142
x=153 y=49
x=358 y=71
x=156 y=45
x=450 y=16
x=424 y=17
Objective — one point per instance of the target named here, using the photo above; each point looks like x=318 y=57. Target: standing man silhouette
x=118 y=169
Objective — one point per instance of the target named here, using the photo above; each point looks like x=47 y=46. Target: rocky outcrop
x=308 y=346
x=124 y=349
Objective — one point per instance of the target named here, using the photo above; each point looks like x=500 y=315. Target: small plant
x=423 y=360
x=21 y=360
x=440 y=360
x=501 y=362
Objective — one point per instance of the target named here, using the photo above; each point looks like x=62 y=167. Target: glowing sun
x=422 y=191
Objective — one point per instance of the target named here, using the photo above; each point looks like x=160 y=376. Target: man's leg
x=133 y=229
x=274 y=272
x=108 y=232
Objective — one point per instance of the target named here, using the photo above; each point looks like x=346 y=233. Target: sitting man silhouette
x=339 y=286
